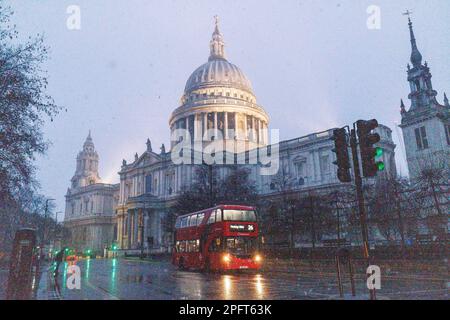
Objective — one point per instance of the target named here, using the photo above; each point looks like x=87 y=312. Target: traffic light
x=114 y=247
x=368 y=152
x=342 y=158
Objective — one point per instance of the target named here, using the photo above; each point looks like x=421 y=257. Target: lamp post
x=45 y=220
x=56 y=224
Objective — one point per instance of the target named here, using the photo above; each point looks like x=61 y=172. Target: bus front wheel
x=207 y=267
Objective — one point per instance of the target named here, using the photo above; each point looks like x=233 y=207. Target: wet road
x=136 y=279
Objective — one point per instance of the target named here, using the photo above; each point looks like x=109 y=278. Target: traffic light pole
x=360 y=198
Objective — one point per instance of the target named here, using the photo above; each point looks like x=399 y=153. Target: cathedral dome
x=218 y=72
x=218 y=103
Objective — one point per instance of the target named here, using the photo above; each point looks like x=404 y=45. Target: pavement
x=154 y=279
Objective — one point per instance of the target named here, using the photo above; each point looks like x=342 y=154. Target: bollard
x=343 y=255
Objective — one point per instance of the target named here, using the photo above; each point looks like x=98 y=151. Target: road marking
x=419 y=291
x=103 y=291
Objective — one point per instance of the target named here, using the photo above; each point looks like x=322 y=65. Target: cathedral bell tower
x=425 y=125
x=86 y=172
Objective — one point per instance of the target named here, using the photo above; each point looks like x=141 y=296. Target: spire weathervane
x=408 y=13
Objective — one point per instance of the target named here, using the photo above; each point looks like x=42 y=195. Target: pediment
x=147 y=158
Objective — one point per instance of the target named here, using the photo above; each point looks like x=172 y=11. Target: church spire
x=217 y=45
x=422 y=94
x=446 y=103
x=416 y=56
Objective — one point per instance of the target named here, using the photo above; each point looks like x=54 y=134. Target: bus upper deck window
x=200 y=218
x=239 y=215
x=218 y=215
x=193 y=220
x=212 y=218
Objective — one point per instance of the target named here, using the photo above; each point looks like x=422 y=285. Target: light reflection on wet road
x=135 y=279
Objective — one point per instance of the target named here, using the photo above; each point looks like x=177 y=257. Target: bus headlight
x=258 y=258
x=226 y=258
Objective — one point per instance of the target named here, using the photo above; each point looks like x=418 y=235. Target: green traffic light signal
x=378 y=152
x=380 y=164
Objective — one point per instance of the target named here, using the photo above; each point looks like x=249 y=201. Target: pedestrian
x=58 y=259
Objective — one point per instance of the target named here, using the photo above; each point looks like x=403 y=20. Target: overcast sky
x=313 y=65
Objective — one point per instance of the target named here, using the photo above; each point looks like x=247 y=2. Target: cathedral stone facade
x=219 y=110
x=218 y=106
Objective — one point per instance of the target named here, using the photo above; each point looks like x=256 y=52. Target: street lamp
x=55 y=230
x=45 y=219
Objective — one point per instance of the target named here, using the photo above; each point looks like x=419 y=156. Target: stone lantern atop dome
x=217 y=45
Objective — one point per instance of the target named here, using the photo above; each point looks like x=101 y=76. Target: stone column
x=197 y=127
x=254 y=139
x=129 y=229
x=140 y=226
x=136 y=227
x=216 y=127
x=245 y=127
x=120 y=230
x=259 y=131
x=146 y=213
x=315 y=165
x=225 y=130
x=158 y=228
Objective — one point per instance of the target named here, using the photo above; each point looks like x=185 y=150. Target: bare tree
x=432 y=190
x=284 y=206
x=24 y=106
x=338 y=201
x=208 y=189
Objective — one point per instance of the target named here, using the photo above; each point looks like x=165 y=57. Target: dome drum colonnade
x=218 y=103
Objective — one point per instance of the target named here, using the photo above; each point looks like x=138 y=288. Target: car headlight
x=258 y=258
x=226 y=258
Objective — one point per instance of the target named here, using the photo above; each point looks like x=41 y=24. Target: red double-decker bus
x=220 y=238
